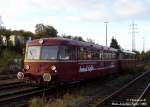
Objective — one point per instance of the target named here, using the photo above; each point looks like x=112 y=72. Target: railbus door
x=68 y=63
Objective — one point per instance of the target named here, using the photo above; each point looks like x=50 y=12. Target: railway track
x=132 y=94
x=8 y=76
x=19 y=94
x=11 y=92
x=11 y=95
x=11 y=85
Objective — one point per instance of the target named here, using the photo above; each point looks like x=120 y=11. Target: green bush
x=6 y=57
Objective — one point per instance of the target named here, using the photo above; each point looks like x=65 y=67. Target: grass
x=87 y=90
x=36 y=102
x=66 y=101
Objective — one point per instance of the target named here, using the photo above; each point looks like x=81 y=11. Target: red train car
x=63 y=60
x=59 y=60
x=126 y=60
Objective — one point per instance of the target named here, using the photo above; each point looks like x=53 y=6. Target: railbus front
x=58 y=60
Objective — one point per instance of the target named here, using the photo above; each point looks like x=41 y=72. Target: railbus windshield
x=32 y=52
x=41 y=52
x=50 y=53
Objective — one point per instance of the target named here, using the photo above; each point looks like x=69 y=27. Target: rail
x=125 y=87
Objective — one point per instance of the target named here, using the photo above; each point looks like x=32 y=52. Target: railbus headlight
x=46 y=77
x=53 y=67
x=20 y=75
x=27 y=67
x=41 y=41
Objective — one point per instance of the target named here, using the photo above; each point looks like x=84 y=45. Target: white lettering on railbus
x=86 y=69
x=90 y=68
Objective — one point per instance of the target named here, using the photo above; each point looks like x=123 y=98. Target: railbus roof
x=127 y=51
x=65 y=41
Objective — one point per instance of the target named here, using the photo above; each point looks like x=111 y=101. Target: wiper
x=31 y=54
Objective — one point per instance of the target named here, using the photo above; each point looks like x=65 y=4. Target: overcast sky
x=83 y=18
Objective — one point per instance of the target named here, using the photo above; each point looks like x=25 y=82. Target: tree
x=147 y=55
x=7 y=33
x=67 y=36
x=2 y=30
x=79 y=38
x=1 y=44
x=39 y=29
x=90 y=40
x=18 y=46
x=142 y=56
x=51 y=31
x=45 y=31
x=24 y=34
x=1 y=22
x=114 y=43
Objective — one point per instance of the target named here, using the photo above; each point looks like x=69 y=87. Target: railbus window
x=83 y=53
x=67 y=53
x=49 y=52
x=120 y=56
x=33 y=52
x=113 y=55
x=134 y=57
x=100 y=55
x=89 y=55
x=103 y=55
x=109 y=54
x=96 y=54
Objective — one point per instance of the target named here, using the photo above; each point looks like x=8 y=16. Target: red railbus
x=59 y=60
x=126 y=60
